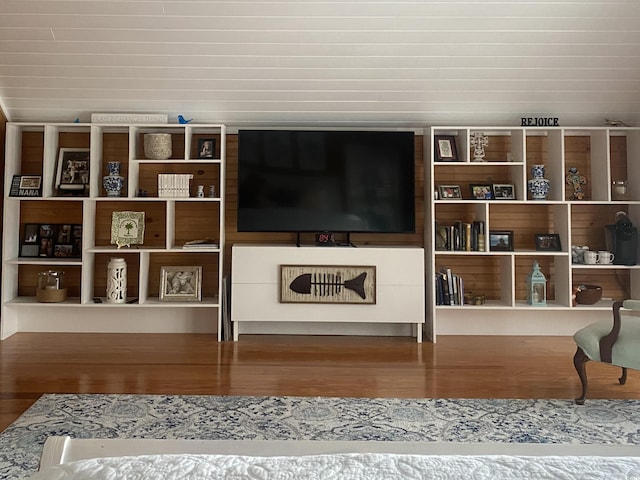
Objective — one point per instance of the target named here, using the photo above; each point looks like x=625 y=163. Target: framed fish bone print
x=327 y=284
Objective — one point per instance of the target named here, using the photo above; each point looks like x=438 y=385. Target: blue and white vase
x=113 y=182
x=538 y=185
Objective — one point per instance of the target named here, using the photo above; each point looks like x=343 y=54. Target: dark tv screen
x=336 y=181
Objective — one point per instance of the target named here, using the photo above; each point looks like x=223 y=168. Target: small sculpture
x=478 y=142
x=183 y=120
x=576 y=180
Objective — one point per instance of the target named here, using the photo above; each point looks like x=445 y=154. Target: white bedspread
x=354 y=466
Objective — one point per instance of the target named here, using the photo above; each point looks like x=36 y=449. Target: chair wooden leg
x=579 y=361
x=623 y=378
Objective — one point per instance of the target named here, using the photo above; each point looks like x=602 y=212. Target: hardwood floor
x=464 y=367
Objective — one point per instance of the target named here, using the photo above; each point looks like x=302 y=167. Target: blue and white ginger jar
x=538 y=185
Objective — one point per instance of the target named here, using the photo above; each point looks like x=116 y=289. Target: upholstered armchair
x=616 y=344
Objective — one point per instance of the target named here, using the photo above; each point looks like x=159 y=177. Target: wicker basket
x=588 y=294
x=157 y=146
x=51 y=295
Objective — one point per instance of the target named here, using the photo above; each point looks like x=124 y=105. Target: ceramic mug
x=591 y=258
x=605 y=258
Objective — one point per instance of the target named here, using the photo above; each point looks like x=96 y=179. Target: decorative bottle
x=113 y=182
x=117 y=281
x=538 y=185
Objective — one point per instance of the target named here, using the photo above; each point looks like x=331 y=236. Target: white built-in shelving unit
x=602 y=155
x=33 y=148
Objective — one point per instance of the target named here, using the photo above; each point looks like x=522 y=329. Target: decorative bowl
x=588 y=294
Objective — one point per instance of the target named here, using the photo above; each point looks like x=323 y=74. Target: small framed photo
x=501 y=240
x=445 y=148
x=31 y=231
x=127 y=228
x=548 y=242
x=72 y=173
x=206 y=147
x=181 y=284
x=448 y=192
x=503 y=191
x=481 y=191
x=62 y=251
x=26 y=186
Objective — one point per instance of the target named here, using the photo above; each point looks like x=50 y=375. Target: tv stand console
x=255 y=286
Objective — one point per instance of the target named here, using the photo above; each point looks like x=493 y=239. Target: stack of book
x=461 y=236
x=201 y=243
x=449 y=288
x=174 y=185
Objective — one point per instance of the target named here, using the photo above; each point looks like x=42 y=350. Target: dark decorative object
x=327 y=284
x=588 y=294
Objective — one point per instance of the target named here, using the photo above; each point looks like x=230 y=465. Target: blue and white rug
x=603 y=422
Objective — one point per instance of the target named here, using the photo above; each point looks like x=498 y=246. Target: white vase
x=117 y=281
x=157 y=146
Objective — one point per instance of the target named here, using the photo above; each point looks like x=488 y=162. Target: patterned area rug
x=300 y=418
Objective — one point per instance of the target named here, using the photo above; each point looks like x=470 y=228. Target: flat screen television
x=317 y=181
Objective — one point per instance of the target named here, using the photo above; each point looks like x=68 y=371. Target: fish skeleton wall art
x=327 y=284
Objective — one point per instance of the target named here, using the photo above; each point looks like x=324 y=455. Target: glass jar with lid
x=51 y=287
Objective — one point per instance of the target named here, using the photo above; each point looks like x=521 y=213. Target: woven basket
x=51 y=295
x=157 y=146
x=588 y=294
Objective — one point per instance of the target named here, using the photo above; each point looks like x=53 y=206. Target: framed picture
x=72 y=173
x=503 y=191
x=206 y=147
x=448 y=192
x=481 y=191
x=327 y=284
x=51 y=240
x=181 y=284
x=445 y=148
x=501 y=240
x=26 y=186
x=549 y=242
x=127 y=228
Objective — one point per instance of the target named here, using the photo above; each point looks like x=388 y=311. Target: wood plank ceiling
x=330 y=63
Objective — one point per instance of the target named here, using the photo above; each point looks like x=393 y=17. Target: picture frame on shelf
x=180 y=283
x=51 y=240
x=503 y=191
x=127 y=228
x=481 y=191
x=206 y=147
x=449 y=192
x=445 y=148
x=72 y=171
x=548 y=242
x=501 y=240
x=26 y=186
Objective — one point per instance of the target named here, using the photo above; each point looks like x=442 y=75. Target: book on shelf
x=460 y=236
x=201 y=243
x=449 y=288
x=174 y=185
